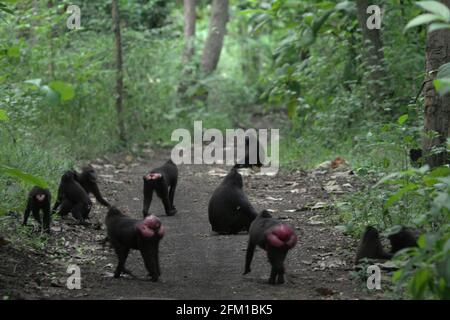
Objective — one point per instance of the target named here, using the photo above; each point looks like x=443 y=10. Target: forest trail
x=196 y=263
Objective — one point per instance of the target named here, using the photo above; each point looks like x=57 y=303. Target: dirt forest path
x=195 y=263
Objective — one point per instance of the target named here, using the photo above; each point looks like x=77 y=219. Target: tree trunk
x=437 y=108
x=51 y=65
x=189 y=47
x=119 y=73
x=374 y=55
x=189 y=30
x=216 y=34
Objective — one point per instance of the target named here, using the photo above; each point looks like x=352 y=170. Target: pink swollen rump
x=282 y=235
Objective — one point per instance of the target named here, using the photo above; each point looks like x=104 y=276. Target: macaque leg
x=47 y=219
x=36 y=216
x=148 y=255
x=172 y=195
x=98 y=196
x=66 y=207
x=276 y=259
x=273 y=274
x=158 y=268
x=249 y=257
x=122 y=254
x=164 y=195
x=148 y=195
x=280 y=279
x=79 y=212
x=26 y=214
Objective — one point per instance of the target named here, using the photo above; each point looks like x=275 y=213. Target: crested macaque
x=276 y=238
x=88 y=180
x=39 y=199
x=125 y=233
x=72 y=198
x=229 y=209
x=405 y=238
x=164 y=181
x=253 y=156
x=370 y=246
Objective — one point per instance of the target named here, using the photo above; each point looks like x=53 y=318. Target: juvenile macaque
x=39 y=199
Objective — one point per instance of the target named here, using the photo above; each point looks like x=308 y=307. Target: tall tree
x=437 y=108
x=189 y=30
x=374 y=55
x=216 y=34
x=119 y=70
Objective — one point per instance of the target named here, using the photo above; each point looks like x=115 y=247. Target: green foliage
x=425 y=274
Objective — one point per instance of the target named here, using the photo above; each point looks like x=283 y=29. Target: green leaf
x=346 y=6
x=13 y=51
x=51 y=96
x=400 y=193
x=3 y=115
x=402 y=119
x=442 y=86
x=35 y=82
x=419 y=282
x=438 y=26
x=444 y=71
x=435 y=7
x=422 y=241
x=65 y=90
x=422 y=19
x=22 y=176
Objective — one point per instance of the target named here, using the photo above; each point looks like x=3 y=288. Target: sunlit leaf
x=51 y=96
x=436 y=8
x=402 y=119
x=438 y=26
x=13 y=51
x=3 y=115
x=64 y=89
x=442 y=86
x=422 y=19
x=35 y=82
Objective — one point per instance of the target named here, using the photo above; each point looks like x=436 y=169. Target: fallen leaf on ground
x=274 y=199
x=218 y=172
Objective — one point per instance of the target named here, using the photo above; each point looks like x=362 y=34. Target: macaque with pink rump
x=276 y=238
x=126 y=233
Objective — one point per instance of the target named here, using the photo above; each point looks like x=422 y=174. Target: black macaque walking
x=229 y=209
x=39 y=199
x=276 y=238
x=125 y=233
x=164 y=181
